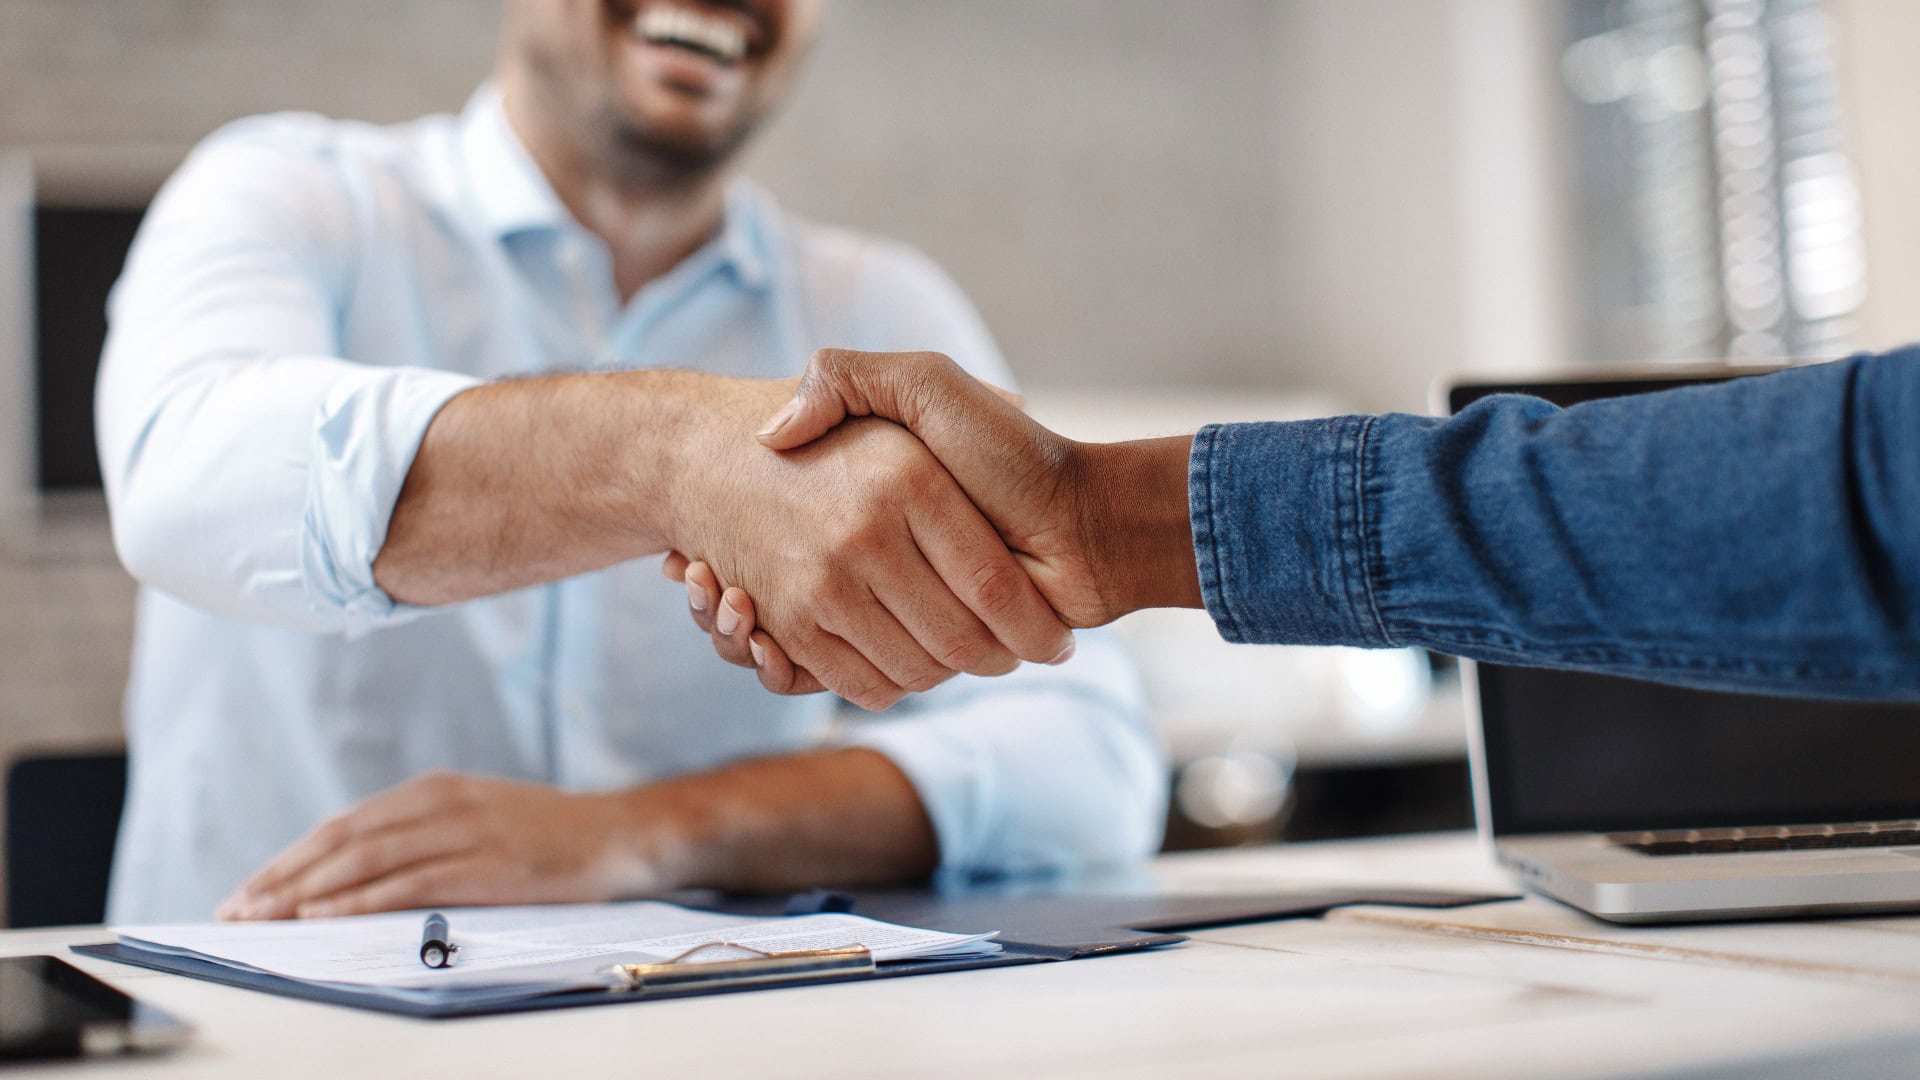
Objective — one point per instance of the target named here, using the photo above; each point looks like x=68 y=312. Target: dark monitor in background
x=78 y=252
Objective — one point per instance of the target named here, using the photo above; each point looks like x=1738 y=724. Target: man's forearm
x=523 y=482
x=829 y=817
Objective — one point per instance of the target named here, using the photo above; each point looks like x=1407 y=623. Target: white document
x=518 y=950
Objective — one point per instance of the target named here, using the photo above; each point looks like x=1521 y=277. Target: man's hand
x=844 y=816
x=448 y=839
x=877 y=574
x=1101 y=529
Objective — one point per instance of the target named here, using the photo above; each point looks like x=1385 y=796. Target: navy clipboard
x=1035 y=929
x=1012 y=955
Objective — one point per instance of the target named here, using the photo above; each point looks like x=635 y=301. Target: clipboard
x=1035 y=929
x=678 y=978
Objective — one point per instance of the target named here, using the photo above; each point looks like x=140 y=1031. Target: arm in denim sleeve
x=250 y=468
x=1761 y=534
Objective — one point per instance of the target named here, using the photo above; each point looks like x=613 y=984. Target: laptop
x=1639 y=802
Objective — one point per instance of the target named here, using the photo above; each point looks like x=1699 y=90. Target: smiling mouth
x=717 y=38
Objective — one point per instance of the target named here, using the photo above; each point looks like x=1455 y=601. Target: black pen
x=436 y=947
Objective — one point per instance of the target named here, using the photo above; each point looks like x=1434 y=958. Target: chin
x=676 y=146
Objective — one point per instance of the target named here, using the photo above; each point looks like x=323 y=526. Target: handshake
x=925 y=526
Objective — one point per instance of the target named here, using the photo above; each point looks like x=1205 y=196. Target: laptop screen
x=1570 y=752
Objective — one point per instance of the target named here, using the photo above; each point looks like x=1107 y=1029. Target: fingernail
x=1066 y=654
x=696 y=596
x=726 y=620
x=779 y=419
x=759 y=654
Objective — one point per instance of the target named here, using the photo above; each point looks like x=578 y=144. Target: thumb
x=902 y=387
x=817 y=407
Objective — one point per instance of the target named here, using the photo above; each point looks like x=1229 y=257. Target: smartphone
x=51 y=1009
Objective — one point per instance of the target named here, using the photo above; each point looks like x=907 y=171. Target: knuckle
x=963 y=653
x=825 y=371
x=998 y=661
x=927 y=680
x=864 y=537
x=802 y=643
x=979 y=656
x=998 y=589
x=873 y=694
x=776 y=683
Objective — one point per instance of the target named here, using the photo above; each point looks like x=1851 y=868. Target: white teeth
x=669 y=24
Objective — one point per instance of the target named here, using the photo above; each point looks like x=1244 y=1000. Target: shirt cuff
x=1042 y=771
x=363 y=445
x=954 y=776
x=1280 y=531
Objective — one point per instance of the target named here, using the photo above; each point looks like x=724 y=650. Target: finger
x=886 y=643
x=674 y=566
x=973 y=561
x=733 y=626
x=777 y=673
x=703 y=593
x=372 y=857
x=944 y=626
x=925 y=392
x=449 y=882
x=413 y=799
x=842 y=669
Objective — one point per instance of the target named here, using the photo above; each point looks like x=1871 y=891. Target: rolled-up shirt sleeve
x=250 y=468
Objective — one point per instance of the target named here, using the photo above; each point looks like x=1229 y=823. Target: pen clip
x=761 y=969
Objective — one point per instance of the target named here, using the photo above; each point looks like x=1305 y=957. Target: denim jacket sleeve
x=1761 y=534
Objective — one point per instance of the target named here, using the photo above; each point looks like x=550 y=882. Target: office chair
x=63 y=812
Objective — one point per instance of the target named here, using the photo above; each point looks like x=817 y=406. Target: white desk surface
x=1522 y=989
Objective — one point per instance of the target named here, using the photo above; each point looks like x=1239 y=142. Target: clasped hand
x=1040 y=491
x=878 y=574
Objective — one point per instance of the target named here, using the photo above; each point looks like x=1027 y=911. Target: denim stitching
x=1369 y=541
x=1450 y=638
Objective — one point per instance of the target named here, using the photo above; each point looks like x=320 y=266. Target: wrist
x=1137 y=526
x=692 y=434
x=654 y=439
x=659 y=840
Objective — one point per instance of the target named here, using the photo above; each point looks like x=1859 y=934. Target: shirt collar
x=513 y=196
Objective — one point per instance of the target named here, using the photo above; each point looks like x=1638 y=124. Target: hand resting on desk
x=447 y=839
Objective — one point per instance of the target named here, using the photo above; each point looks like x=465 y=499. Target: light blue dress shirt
x=302 y=298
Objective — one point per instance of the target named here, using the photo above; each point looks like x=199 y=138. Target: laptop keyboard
x=1856 y=834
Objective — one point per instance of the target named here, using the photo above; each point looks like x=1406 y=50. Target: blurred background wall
x=1224 y=208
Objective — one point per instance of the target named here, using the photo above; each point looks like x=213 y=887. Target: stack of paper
x=511 y=953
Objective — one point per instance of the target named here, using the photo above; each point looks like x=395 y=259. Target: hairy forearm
x=523 y=482
x=842 y=817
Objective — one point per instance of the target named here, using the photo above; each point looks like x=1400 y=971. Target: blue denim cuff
x=1280 y=532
